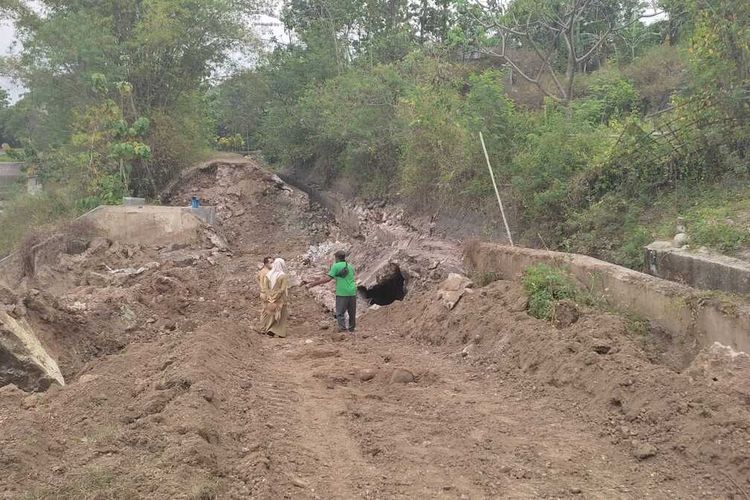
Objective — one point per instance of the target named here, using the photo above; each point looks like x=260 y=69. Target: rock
x=375 y=307
x=25 y=362
x=97 y=279
x=88 y=377
x=642 y=451
x=520 y=305
x=565 y=314
x=11 y=390
x=468 y=350
x=338 y=336
x=452 y=289
x=324 y=325
x=217 y=241
x=601 y=347
x=31 y=401
x=98 y=245
x=7 y=296
x=367 y=374
x=186 y=260
x=298 y=483
x=680 y=240
x=401 y=376
x=456 y=283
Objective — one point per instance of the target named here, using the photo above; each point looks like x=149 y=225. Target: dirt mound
x=696 y=420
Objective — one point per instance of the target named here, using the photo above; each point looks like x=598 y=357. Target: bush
x=24 y=213
x=545 y=285
x=608 y=96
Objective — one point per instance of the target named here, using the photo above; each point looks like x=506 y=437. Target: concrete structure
x=10 y=174
x=698 y=269
x=33 y=185
x=150 y=225
x=133 y=202
x=693 y=318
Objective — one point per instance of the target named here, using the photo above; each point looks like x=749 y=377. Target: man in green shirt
x=346 y=290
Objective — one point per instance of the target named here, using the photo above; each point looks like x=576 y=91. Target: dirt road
x=172 y=395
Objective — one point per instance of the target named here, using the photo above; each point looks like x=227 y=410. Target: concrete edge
x=687 y=313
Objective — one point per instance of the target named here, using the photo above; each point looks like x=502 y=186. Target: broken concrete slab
x=23 y=360
x=147 y=225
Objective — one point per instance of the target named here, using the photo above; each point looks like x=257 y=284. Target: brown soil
x=172 y=395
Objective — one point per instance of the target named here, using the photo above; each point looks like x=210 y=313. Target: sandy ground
x=172 y=394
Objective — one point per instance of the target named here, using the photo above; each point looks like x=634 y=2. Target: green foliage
x=231 y=143
x=24 y=212
x=158 y=53
x=608 y=96
x=545 y=284
x=720 y=235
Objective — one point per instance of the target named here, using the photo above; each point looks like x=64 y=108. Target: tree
x=166 y=50
x=564 y=36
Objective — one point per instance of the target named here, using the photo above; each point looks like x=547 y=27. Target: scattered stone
x=324 y=325
x=576 y=491
x=642 y=451
x=31 y=401
x=468 y=350
x=453 y=288
x=309 y=341
x=367 y=374
x=401 y=376
x=520 y=305
x=601 y=348
x=375 y=307
x=98 y=245
x=11 y=390
x=298 y=482
x=338 y=336
x=184 y=260
x=88 y=377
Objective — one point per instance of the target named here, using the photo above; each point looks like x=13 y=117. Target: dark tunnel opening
x=390 y=289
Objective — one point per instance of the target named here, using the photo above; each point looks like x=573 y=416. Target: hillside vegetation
x=599 y=156
x=603 y=123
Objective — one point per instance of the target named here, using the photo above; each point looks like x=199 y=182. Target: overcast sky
x=7 y=35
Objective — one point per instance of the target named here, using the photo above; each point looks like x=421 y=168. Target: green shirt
x=345 y=287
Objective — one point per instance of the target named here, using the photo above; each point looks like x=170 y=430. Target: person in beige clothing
x=267 y=263
x=275 y=315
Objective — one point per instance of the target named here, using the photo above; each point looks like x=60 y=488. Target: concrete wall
x=689 y=315
x=147 y=225
x=699 y=269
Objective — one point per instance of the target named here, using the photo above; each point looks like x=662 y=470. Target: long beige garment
x=275 y=314
x=263 y=284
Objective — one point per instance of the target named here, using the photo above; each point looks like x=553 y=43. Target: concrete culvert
x=389 y=288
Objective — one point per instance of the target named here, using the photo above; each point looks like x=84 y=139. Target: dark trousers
x=346 y=305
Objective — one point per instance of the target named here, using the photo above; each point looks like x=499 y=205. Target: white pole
x=497 y=193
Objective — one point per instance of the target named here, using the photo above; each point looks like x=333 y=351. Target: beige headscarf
x=277 y=271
